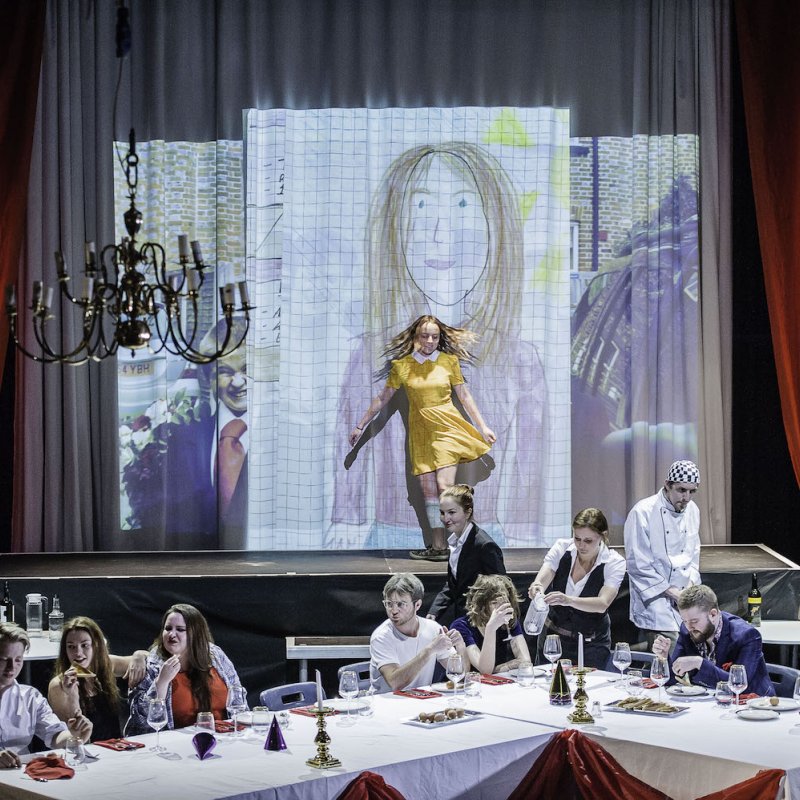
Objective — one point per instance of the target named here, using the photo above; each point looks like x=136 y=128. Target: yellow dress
x=438 y=434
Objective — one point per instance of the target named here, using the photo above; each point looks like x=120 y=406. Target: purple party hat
x=204 y=742
x=275 y=740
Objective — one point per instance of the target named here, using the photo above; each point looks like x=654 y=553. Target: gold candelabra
x=580 y=715
x=323 y=759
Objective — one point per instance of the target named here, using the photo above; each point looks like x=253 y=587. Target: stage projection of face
x=360 y=222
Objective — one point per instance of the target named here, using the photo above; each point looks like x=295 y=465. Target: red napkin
x=743 y=698
x=119 y=744
x=495 y=680
x=226 y=726
x=417 y=694
x=309 y=711
x=648 y=684
x=50 y=767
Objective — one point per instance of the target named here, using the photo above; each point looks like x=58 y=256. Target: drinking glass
x=348 y=689
x=472 y=685
x=737 y=680
x=552 y=650
x=260 y=720
x=157 y=719
x=659 y=673
x=622 y=658
x=236 y=703
x=205 y=721
x=724 y=697
x=634 y=686
x=525 y=674
x=796 y=696
x=74 y=752
x=455 y=672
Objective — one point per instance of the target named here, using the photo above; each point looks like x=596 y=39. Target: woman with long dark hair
x=185 y=669
x=85 y=677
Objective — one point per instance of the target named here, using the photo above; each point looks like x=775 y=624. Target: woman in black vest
x=581 y=577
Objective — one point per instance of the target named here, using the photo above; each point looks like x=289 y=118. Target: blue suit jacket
x=739 y=643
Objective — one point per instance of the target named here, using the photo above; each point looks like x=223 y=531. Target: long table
x=485 y=758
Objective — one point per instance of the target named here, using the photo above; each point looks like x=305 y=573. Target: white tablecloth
x=485 y=759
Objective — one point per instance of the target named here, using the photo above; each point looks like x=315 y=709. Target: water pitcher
x=35 y=609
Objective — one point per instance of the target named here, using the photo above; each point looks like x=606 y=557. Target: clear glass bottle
x=55 y=620
x=536 y=616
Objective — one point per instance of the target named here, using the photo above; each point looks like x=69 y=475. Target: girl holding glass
x=491 y=629
x=83 y=647
x=580 y=578
x=186 y=670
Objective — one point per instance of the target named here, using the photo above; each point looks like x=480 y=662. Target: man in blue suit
x=710 y=640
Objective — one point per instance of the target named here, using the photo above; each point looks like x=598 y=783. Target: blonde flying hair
x=481 y=594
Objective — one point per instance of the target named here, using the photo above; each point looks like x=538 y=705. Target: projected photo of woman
x=444 y=238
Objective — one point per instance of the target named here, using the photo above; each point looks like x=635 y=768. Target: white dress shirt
x=24 y=712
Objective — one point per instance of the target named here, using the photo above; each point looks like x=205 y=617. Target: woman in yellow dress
x=425 y=362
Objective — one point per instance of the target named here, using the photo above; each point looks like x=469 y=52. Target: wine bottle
x=55 y=620
x=754 y=603
x=7 y=606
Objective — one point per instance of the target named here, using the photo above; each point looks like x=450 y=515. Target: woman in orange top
x=184 y=668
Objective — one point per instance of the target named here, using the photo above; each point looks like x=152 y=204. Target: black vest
x=591 y=625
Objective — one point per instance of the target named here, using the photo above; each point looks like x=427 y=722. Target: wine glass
x=737 y=680
x=236 y=703
x=455 y=672
x=622 y=658
x=157 y=719
x=552 y=650
x=796 y=696
x=659 y=673
x=724 y=697
x=348 y=689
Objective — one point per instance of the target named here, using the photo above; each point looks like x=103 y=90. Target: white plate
x=444 y=688
x=468 y=715
x=756 y=714
x=537 y=672
x=340 y=704
x=784 y=704
x=687 y=691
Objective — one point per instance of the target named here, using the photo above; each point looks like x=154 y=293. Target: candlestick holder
x=323 y=759
x=580 y=715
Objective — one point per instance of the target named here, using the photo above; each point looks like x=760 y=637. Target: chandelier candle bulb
x=183 y=247
x=192 y=279
x=11 y=298
x=88 y=288
x=228 y=298
x=244 y=295
x=61 y=268
x=197 y=253
x=89 y=256
x=580 y=651
x=319 y=692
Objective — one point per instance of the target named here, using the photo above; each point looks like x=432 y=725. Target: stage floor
x=220 y=563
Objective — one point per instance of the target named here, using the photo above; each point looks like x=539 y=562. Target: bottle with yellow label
x=754 y=603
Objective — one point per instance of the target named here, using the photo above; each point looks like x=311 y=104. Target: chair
x=291 y=695
x=361 y=668
x=783 y=679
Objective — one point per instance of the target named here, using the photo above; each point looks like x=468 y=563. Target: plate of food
x=681 y=690
x=757 y=714
x=447 y=686
x=774 y=703
x=646 y=706
x=439 y=719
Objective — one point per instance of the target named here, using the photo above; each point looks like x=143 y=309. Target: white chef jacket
x=662 y=549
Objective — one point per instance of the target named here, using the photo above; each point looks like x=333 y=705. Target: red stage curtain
x=574 y=766
x=763 y=786
x=21 y=37
x=370 y=786
x=769 y=31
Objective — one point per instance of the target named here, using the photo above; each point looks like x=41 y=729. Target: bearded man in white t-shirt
x=405 y=647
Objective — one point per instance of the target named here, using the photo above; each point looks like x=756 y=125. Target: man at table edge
x=710 y=640
x=24 y=712
x=405 y=647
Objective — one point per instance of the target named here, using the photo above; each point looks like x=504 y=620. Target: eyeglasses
x=400 y=605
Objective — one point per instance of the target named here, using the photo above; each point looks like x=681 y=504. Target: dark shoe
x=430 y=554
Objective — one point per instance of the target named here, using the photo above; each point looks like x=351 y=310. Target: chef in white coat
x=662 y=549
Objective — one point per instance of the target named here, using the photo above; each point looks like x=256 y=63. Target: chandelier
x=130 y=297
